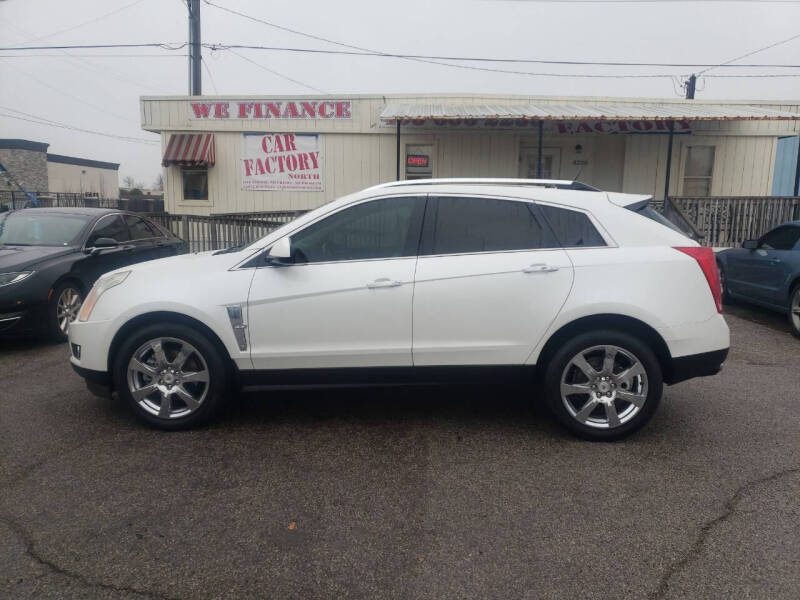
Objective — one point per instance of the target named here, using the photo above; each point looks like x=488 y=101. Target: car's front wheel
x=63 y=309
x=603 y=385
x=794 y=310
x=172 y=376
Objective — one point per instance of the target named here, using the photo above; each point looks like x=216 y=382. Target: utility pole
x=690 y=85
x=195 y=56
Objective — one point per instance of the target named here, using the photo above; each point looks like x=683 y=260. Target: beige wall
x=76 y=179
x=358 y=153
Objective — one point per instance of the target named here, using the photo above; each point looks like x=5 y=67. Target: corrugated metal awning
x=190 y=150
x=601 y=111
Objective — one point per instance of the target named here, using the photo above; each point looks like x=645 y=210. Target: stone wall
x=28 y=169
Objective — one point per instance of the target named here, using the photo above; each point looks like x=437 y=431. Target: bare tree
x=129 y=182
x=158 y=184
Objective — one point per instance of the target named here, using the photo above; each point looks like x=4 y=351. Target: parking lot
x=404 y=492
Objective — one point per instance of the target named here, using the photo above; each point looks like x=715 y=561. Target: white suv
x=433 y=280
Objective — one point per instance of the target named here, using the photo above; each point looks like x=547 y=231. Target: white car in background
x=424 y=280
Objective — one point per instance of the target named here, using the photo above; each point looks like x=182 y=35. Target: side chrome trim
x=238 y=325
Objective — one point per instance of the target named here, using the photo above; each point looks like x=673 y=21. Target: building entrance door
x=551 y=163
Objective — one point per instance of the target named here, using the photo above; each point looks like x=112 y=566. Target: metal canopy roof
x=601 y=111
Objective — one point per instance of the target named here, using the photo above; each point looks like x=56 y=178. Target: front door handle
x=384 y=282
x=539 y=268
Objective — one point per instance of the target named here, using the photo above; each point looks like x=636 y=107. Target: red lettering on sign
x=221 y=110
x=288 y=142
x=314 y=156
x=201 y=109
x=244 y=109
x=273 y=110
x=248 y=166
x=324 y=108
x=417 y=160
x=342 y=110
x=290 y=112
x=308 y=110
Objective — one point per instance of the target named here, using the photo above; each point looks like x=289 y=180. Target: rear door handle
x=539 y=268
x=384 y=282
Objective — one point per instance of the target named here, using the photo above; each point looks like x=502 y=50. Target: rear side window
x=139 y=228
x=572 y=228
x=109 y=227
x=466 y=224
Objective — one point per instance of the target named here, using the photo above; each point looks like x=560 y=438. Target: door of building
x=551 y=163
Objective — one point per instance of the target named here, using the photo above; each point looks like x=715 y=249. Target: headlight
x=9 y=278
x=102 y=285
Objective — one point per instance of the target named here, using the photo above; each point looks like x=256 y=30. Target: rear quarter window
x=572 y=228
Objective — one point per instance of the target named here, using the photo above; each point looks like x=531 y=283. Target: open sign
x=416 y=160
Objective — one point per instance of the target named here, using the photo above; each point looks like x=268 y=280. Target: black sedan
x=766 y=272
x=51 y=257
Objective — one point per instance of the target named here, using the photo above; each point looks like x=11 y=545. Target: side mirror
x=103 y=243
x=280 y=255
x=750 y=244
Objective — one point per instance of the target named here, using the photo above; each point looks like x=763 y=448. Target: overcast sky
x=100 y=89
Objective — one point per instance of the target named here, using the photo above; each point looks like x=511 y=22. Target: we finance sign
x=281 y=162
x=254 y=110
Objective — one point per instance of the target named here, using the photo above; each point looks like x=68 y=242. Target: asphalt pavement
x=404 y=492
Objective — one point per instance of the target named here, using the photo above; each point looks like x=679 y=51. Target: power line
x=210 y=77
x=108 y=55
x=45 y=121
x=728 y=62
x=90 y=21
x=222 y=46
x=495 y=60
x=281 y=75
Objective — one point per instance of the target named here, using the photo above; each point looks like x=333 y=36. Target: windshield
x=47 y=229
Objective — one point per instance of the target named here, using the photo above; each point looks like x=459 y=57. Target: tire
x=63 y=309
x=794 y=310
x=188 y=383
x=585 y=413
x=723 y=283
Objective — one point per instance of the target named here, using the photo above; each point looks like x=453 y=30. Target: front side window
x=195 y=184
x=782 y=238
x=109 y=227
x=698 y=171
x=572 y=228
x=467 y=225
x=139 y=228
x=386 y=228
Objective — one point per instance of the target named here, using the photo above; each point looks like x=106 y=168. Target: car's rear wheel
x=171 y=375
x=723 y=284
x=603 y=385
x=63 y=309
x=794 y=310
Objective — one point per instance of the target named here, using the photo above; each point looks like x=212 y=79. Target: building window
x=195 y=184
x=698 y=171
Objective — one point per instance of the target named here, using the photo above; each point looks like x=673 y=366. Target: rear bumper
x=696 y=365
x=99 y=383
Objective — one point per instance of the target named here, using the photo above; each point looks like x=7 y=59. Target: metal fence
x=728 y=221
x=215 y=232
x=16 y=200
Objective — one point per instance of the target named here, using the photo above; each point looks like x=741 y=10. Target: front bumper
x=99 y=383
x=695 y=365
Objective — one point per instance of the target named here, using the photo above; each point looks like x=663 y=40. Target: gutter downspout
x=671 y=125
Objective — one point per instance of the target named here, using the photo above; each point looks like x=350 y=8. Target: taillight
x=708 y=264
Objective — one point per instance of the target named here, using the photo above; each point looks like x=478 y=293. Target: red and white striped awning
x=190 y=150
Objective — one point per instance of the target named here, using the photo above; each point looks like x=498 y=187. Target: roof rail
x=560 y=184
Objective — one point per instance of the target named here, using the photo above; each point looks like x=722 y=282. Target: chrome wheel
x=604 y=386
x=794 y=307
x=168 y=378
x=67 y=307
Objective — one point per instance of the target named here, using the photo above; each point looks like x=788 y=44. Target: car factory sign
x=281 y=161
x=271 y=109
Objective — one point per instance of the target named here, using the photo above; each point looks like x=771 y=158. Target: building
x=244 y=154
x=25 y=166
